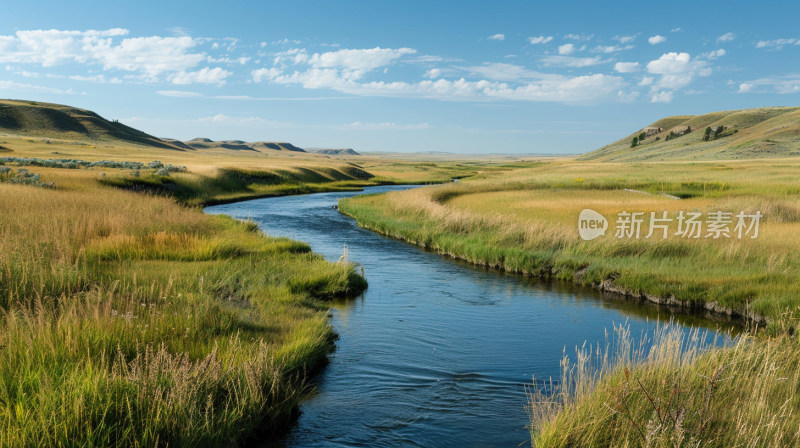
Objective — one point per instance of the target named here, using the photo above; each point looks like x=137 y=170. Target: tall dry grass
x=675 y=389
x=127 y=319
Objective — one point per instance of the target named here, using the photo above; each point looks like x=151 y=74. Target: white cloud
x=497 y=36
x=777 y=43
x=646 y=81
x=16 y=86
x=433 y=73
x=540 y=39
x=657 y=39
x=610 y=48
x=677 y=70
x=571 y=61
x=205 y=75
x=670 y=63
x=625 y=39
x=626 y=67
x=94 y=78
x=579 y=37
x=783 y=85
x=507 y=72
x=178 y=93
x=265 y=73
x=566 y=49
x=716 y=54
x=675 y=30
x=364 y=59
x=150 y=57
x=544 y=88
x=727 y=37
x=661 y=97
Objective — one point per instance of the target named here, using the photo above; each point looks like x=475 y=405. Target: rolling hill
x=56 y=121
x=334 y=151
x=30 y=118
x=767 y=132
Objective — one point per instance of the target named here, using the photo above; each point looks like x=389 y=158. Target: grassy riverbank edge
x=547 y=270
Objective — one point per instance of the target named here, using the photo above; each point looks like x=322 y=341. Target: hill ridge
x=744 y=134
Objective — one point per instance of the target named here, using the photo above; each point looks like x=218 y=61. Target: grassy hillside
x=64 y=122
x=767 y=132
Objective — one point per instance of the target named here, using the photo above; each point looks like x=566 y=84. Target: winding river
x=436 y=352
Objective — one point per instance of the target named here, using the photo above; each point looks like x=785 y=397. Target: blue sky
x=472 y=77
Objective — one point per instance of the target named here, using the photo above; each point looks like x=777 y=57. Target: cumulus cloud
x=661 y=97
x=675 y=70
x=566 y=49
x=626 y=67
x=347 y=70
x=148 y=57
x=727 y=37
x=540 y=39
x=497 y=36
x=670 y=63
x=657 y=39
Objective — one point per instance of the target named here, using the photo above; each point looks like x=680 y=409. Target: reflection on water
x=436 y=352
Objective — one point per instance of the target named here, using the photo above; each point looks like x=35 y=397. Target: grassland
x=526 y=221
x=130 y=318
x=766 y=132
x=673 y=392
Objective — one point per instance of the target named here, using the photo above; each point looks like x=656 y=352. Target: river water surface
x=436 y=352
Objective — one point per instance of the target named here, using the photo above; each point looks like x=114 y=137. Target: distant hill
x=275 y=146
x=49 y=120
x=735 y=134
x=205 y=143
x=239 y=145
x=334 y=151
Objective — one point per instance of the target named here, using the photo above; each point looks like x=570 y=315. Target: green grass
x=130 y=320
x=526 y=222
x=676 y=390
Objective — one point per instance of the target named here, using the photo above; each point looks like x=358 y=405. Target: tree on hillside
x=707 y=135
x=642 y=136
x=718 y=131
x=635 y=142
x=688 y=129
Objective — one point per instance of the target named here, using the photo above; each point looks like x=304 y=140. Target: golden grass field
x=130 y=318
